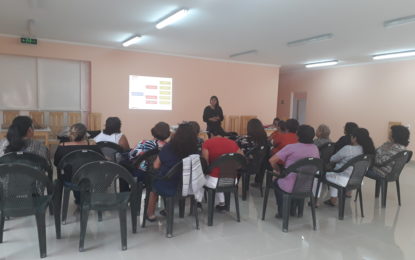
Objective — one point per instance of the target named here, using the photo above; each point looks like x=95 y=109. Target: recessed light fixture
x=131 y=41
x=313 y=39
x=394 y=55
x=321 y=64
x=399 y=21
x=172 y=18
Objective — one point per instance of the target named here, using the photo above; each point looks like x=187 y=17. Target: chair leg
x=99 y=216
x=211 y=206
x=384 y=186
x=170 y=216
x=285 y=212
x=139 y=197
x=238 y=215
x=65 y=203
x=57 y=201
x=359 y=191
x=313 y=211
x=300 y=206
x=134 y=212
x=123 y=227
x=341 y=201
x=143 y=224
x=264 y=205
x=1 y=226
x=355 y=196
x=377 y=189
x=398 y=191
x=228 y=201
x=84 y=222
x=182 y=204
x=245 y=184
x=41 y=231
x=318 y=188
x=194 y=206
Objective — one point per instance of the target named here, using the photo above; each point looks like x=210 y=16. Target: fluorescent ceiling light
x=321 y=64
x=131 y=41
x=399 y=21
x=313 y=39
x=172 y=18
x=242 y=53
x=394 y=55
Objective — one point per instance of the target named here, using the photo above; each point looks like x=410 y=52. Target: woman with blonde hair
x=323 y=135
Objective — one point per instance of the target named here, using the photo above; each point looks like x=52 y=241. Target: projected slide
x=150 y=93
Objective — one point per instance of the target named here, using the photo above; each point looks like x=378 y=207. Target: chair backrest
x=111 y=151
x=398 y=161
x=305 y=169
x=256 y=159
x=72 y=161
x=229 y=166
x=19 y=185
x=326 y=151
x=360 y=166
x=100 y=179
x=30 y=159
x=148 y=157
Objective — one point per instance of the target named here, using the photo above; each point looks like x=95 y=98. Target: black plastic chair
x=111 y=151
x=33 y=160
x=67 y=166
x=229 y=165
x=360 y=165
x=397 y=163
x=148 y=158
x=20 y=196
x=255 y=164
x=306 y=169
x=97 y=182
x=326 y=152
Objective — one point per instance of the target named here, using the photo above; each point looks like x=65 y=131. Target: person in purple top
x=289 y=155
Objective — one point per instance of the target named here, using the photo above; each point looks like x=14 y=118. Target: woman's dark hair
x=77 y=132
x=349 y=127
x=282 y=125
x=275 y=121
x=400 y=134
x=217 y=100
x=184 y=141
x=16 y=133
x=112 y=125
x=196 y=127
x=305 y=134
x=161 y=131
x=256 y=131
x=292 y=125
x=364 y=140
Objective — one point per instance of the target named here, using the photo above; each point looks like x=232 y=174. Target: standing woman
x=213 y=115
x=19 y=139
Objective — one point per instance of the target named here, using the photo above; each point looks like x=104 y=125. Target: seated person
x=361 y=143
x=196 y=127
x=398 y=141
x=349 y=127
x=182 y=144
x=78 y=141
x=112 y=133
x=212 y=149
x=289 y=137
x=274 y=123
x=322 y=134
x=19 y=138
x=289 y=155
x=256 y=136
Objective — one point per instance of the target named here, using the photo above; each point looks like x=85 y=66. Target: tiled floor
x=382 y=234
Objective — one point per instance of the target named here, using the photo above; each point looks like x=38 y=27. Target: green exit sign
x=27 y=40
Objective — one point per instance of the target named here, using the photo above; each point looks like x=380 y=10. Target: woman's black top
x=208 y=113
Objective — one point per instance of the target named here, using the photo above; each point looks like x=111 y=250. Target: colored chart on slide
x=150 y=93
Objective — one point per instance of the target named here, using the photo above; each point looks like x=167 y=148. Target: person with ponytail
x=19 y=139
x=361 y=143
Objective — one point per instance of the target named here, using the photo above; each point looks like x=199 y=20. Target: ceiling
x=218 y=28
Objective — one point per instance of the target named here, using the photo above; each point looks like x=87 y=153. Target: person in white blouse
x=361 y=143
x=112 y=133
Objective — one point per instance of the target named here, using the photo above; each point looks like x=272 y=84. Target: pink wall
x=241 y=88
x=370 y=95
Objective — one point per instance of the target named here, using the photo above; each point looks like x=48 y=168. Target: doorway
x=298 y=106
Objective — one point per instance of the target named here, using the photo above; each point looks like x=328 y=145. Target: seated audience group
x=288 y=144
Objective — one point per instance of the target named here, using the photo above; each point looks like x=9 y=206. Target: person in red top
x=213 y=148
x=290 y=137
